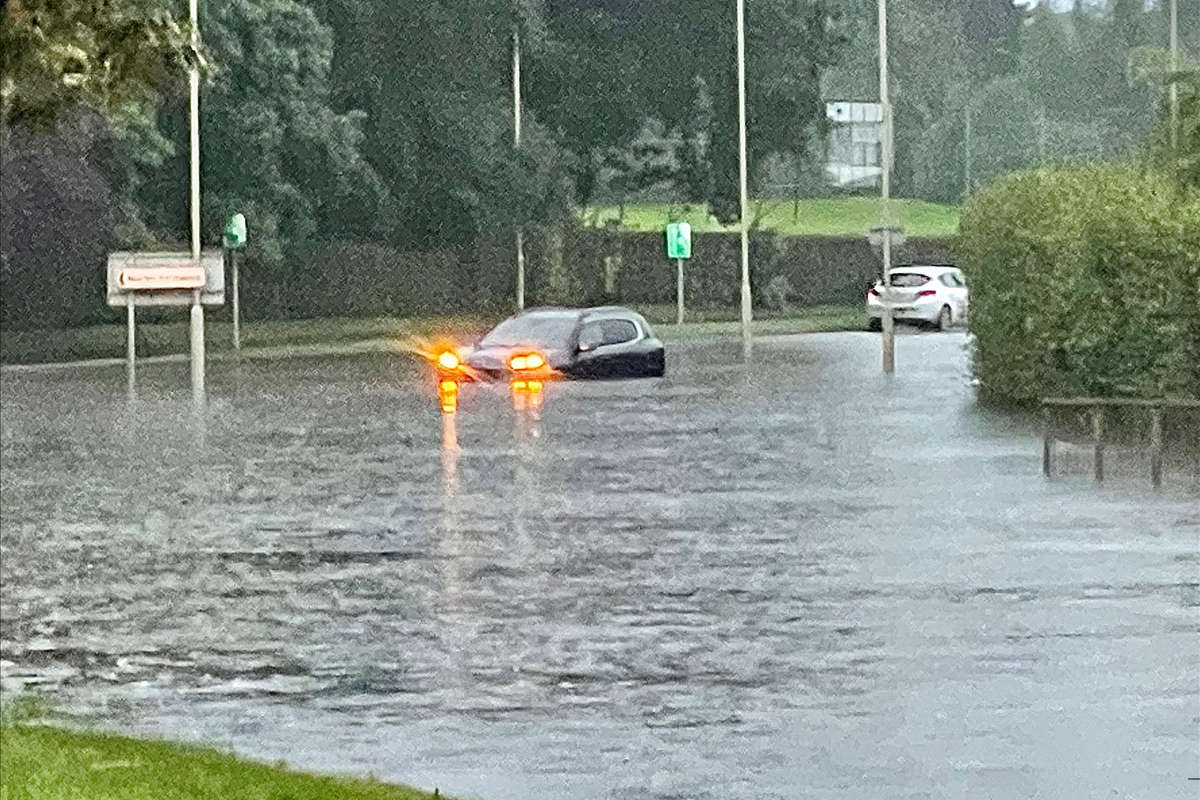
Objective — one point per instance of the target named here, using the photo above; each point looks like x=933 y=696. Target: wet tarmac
x=801 y=579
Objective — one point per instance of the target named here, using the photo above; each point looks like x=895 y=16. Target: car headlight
x=526 y=361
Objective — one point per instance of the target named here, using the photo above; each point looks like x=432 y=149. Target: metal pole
x=967 y=150
x=237 y=327
x=516 y=81
x=1041 y=137
x=197 y=319
x=1156 y=447
x=679 y=291
x=520 y=269
x=1098 y=437
x=197 y=339
x=887 y=319
x=130 y=344
x=1174 y=88
x=741 y=64
x=1047 y=442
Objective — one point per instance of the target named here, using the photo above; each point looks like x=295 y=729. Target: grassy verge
x=293 y=337
x=45 y=763
x=840 y=216
x=727 y=322
x=108 y=341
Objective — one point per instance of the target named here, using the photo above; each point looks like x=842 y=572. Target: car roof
x=611 y=311
x=928 y=269
x=593 y=312
x=548 y=311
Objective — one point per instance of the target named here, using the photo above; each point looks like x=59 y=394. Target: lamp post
x=888 y=322
x=516 y=84
x=1174 y=87
x=741 y=68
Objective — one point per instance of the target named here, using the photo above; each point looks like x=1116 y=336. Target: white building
x=855 y=144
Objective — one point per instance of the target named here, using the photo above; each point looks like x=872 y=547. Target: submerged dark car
x=603 y=342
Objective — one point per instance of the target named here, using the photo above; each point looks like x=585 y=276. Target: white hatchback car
x=931 y=294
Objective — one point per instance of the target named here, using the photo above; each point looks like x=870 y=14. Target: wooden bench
x=1097 y=406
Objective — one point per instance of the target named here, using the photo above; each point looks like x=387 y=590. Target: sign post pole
x=130 y=344
x=167 y=279
x=235 y=238
x=679 y=247
x=237 y=332
x=679 y=291
x=197 y=337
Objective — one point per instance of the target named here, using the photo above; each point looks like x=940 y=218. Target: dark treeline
x=392 y=123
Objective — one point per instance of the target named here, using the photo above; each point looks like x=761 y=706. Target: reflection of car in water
x=934 y=295
x=603 y=342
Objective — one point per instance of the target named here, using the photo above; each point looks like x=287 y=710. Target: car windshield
x=542 y=330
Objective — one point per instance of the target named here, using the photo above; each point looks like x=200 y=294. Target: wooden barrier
x=1097 y=405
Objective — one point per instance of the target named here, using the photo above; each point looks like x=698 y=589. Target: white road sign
x=165 y=278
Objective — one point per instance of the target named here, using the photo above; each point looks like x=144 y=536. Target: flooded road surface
x=798 y=580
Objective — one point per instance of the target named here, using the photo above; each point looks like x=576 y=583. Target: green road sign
x=235 y=232
x=679 y=240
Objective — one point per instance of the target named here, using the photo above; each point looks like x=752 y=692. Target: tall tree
x=582 y=87
x=991 y=30
x=788 y=44
x=927 y=73
x=272 y=147
x=439 y=131
x=59 y=54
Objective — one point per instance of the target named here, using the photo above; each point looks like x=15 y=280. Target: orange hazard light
x=448 y=395
x=526 y=361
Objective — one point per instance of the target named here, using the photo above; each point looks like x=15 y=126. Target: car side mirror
x=585 y=347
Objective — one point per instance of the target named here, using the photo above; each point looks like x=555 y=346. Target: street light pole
x=741 y=65
x=197 y=311
x=967 y=149
x=888 y=322
x=1174 y=87
x=516 y=82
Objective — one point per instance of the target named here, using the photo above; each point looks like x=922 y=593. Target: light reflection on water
x=726 y=583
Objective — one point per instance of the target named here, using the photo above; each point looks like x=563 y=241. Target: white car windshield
x=547 y=331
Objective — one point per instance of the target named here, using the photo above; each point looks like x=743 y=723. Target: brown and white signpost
x=165 y=279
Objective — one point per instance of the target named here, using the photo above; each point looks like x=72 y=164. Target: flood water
x=799 y=579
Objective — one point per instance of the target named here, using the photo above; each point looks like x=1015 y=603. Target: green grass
x=46 y=763
x=378 y=334
x=727 y=322
x=840 y=216
x=108 y=341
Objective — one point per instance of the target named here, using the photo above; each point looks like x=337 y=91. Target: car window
x=909 y=279
x=948 y=279
x=960 y=279
x=591 y=335
x=541 y=330
x=617 y=331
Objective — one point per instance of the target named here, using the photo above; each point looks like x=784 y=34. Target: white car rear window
x=909 y=279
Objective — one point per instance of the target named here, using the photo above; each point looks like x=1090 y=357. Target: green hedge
x=572 y=265
x=576 y=266
x=820 y=270
x=1084 y=281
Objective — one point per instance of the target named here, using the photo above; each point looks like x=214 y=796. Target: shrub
x=1084 y=281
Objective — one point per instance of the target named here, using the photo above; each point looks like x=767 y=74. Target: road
x=797 y=579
